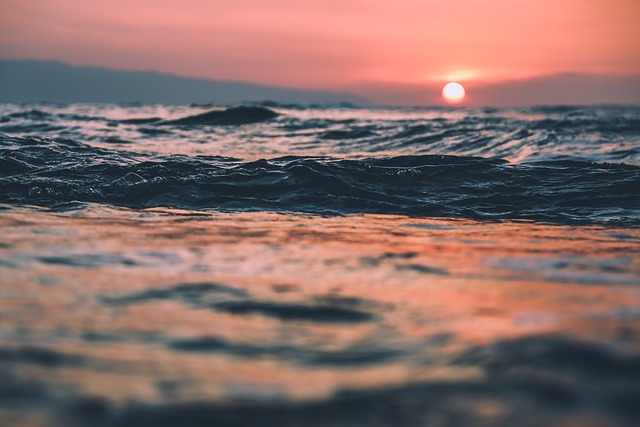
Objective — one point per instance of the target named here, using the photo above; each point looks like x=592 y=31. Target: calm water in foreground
x=319 y=267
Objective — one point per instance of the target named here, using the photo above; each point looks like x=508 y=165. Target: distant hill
x=34 y=80
x=567 y=88
x=556 y=89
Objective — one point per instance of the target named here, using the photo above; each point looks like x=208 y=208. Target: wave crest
x=49 y=172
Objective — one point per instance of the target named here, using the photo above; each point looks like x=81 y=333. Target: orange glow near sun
x=453 y=93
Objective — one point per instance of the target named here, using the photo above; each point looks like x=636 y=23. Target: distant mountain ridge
x=54 y=81
x=553 y=89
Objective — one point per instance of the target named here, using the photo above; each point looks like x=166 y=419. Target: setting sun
x=453 y=92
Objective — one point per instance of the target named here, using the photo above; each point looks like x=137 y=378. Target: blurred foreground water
x=161 y=317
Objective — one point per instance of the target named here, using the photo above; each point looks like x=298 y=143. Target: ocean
x=287 y=265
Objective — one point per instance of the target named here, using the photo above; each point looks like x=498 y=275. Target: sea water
x=286 y=265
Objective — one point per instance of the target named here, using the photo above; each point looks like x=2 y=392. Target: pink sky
x=330 y=43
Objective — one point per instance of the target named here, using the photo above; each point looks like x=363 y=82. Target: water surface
x=324 y=267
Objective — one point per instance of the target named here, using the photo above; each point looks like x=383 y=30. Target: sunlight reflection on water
x=262 y=307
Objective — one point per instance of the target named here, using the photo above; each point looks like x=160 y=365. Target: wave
x=230 y=116
x=239 y=115
x=50 y=172
x=596 y=134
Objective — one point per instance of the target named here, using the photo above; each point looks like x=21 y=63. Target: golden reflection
x=230 y=306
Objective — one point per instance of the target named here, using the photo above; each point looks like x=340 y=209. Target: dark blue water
x=558 y=164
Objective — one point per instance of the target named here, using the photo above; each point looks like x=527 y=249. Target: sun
x=453 y=92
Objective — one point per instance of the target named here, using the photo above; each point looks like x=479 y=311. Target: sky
x=331 y=43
